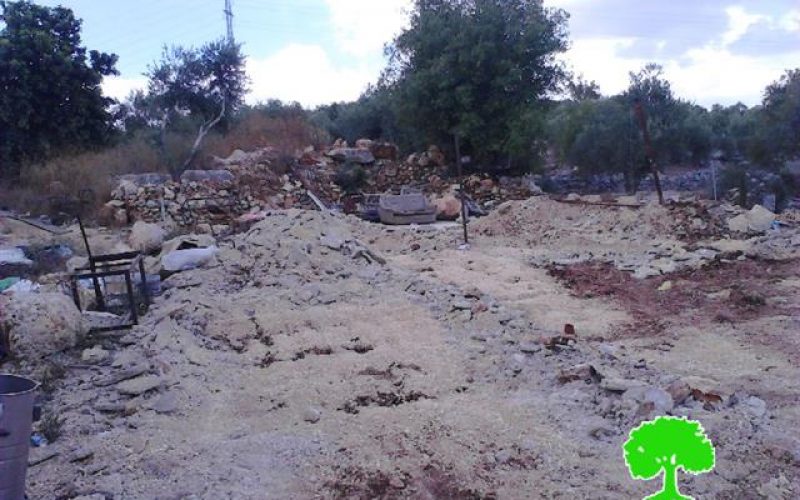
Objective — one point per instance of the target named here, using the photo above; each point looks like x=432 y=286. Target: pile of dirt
x=545 y=221
x=647 y=239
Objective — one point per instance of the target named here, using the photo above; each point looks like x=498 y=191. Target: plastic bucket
x=16 y=417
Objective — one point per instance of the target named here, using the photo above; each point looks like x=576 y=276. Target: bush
x=735 y=177
x=351 y=178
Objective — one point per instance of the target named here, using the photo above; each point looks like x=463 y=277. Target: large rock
x=448 y=207
x=757 y=220
x=41 y=324
x=146 y=237
x=352 y=155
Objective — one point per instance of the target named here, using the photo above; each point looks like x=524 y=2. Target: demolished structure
x=315 y=354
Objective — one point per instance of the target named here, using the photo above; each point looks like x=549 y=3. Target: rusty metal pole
x=85 y=196
x=98 y=293
x=648 y=147
x=461 y=193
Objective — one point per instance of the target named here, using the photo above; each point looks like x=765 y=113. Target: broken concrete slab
x=139 y=385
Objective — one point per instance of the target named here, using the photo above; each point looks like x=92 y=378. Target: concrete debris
x=139 y=385
x=757 y=220
x=95 y=355
x=166 y=403
x=448 y=207
x=183 y=260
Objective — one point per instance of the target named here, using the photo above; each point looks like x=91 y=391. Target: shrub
x=351 y=177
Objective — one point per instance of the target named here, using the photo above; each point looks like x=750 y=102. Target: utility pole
x=229 y=19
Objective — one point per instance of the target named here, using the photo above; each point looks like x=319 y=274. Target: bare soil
x=298 y=368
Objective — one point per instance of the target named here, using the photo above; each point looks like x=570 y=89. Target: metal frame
x=121 y=264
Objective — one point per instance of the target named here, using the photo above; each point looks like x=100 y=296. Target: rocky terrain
x=320 y=356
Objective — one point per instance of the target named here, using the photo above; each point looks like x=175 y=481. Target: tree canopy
x=479 y=69
x=50 y=95
x=600 y=135
x=781 y=116
x=189 y=87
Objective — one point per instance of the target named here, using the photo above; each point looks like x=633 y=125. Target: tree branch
x=201 y=135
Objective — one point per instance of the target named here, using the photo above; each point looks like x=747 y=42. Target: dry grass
x=288 y=135
x=68 y=174
x=40 y=184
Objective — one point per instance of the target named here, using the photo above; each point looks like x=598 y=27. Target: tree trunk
x=201 y=135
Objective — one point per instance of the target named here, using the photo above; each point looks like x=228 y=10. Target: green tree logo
x=668 y=444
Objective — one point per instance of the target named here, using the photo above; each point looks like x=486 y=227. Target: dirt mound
x=541 y=220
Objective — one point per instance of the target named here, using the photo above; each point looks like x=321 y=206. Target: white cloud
x=119 y=87
x=306 y=74
x=706 y=75
x=596 y=59
x=715 y=75
x=791 y=21
x=362 y=27
x=739 y=22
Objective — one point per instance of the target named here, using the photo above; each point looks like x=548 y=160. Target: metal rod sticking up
x=461 y=192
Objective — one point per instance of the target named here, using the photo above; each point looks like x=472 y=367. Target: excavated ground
x=299 y=366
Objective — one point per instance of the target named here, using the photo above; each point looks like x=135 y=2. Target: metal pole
x=462 y=194
x=714 y=177
x=98 y=293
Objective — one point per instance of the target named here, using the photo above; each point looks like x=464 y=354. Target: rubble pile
x=185 y=203
x=311 y=342
x=650 y=240
x=259 y=180
x=425 y=171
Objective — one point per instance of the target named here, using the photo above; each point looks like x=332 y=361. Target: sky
x=321 y=51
